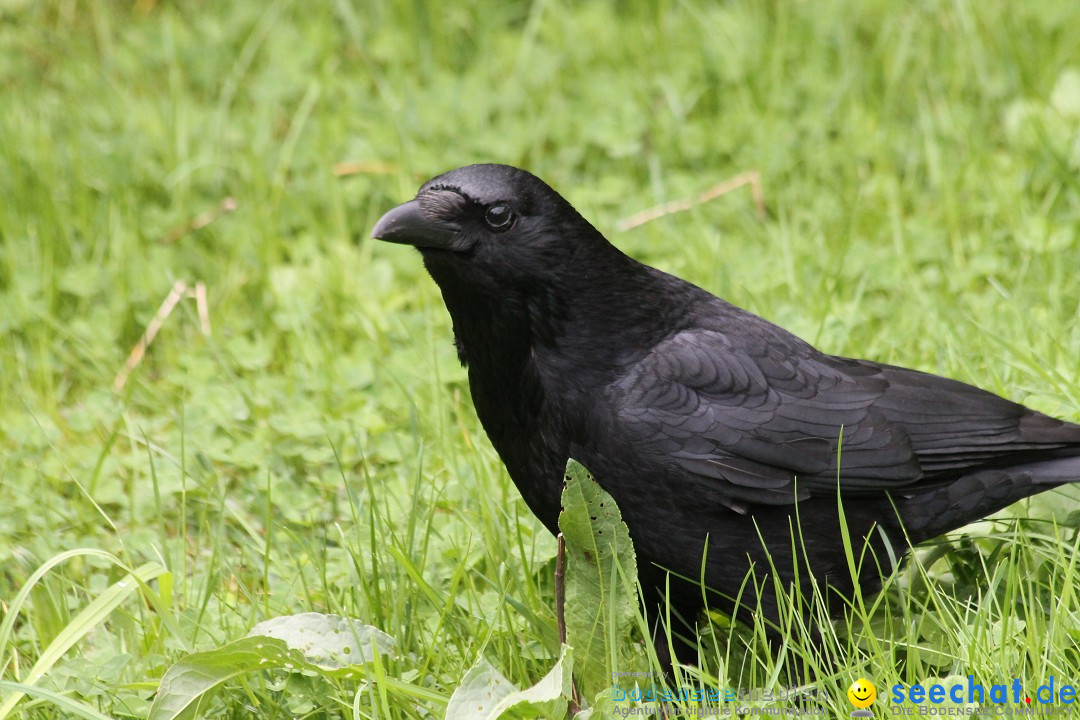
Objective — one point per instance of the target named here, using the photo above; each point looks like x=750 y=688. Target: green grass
x=318 y=451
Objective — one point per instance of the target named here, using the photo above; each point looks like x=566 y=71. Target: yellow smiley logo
x=862 y=693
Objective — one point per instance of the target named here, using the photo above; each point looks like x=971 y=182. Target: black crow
x=711 y=427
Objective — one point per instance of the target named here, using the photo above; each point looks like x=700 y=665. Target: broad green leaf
x=484 y=694
x=187 y=683
x=480 y=692
x=601 y=577
x=330 y=641
x=307 y=642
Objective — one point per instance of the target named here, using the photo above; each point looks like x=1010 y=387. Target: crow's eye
x=499 y=217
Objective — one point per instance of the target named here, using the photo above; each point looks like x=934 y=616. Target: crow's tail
x=982 y=493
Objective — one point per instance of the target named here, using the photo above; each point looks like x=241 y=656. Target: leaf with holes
x=485 y=694
x=330 y=641
x=601 y=578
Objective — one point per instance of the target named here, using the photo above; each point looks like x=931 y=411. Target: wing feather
x=765 y=420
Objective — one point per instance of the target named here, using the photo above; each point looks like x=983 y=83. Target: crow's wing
x=752 y=416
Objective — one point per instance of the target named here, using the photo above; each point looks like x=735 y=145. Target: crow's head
x=490 y=223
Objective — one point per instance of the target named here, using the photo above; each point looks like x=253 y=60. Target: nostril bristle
x=442 y=202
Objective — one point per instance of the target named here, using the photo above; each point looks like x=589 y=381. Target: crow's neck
x=536 y=353
x=578 y=326
x=492 y=335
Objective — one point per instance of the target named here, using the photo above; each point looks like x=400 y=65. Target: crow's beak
x=407 y=224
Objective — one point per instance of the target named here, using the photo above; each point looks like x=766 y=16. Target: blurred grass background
x=921 y=170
